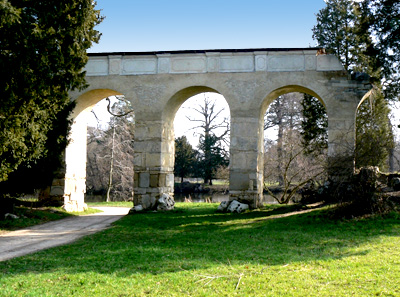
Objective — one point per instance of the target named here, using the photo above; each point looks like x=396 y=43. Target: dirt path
x=25 y=241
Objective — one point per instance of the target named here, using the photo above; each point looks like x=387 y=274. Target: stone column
x=246 y=159
x=153 y=160
x=75 y=166
x=341 y=132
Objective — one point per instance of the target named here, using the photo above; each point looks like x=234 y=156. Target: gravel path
x=25 y=241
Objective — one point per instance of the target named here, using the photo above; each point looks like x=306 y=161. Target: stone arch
x=75 y=153
x=285 y=90
x=155 y=148
x=158 y=82
x=271 y=96
x=175 y=102
x=247 y=145
x=87 y=100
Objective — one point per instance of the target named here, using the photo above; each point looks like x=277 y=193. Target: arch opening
x=295 y=142
x=374 y=137
x=110 y=151
x=76 y=151
x=201 y=146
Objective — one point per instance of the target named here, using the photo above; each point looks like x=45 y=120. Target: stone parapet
x=223 y=61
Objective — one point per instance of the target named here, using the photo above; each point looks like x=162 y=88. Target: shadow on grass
x=196 y=237
x=32 y=216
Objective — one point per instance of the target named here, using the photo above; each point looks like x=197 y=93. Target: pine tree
x=379 y=25
x=346 y=27
x=314 y=125
x=212 y=156
x=185 y=158
x=375 y=139
x=335 y=31
x=42 y=54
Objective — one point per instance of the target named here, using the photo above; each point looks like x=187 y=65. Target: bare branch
x=113 y=114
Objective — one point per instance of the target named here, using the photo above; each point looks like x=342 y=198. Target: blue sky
x=161 y=25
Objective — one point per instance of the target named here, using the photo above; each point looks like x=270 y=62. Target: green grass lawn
x=194 y=251
x=114 y=204
x=30 y=216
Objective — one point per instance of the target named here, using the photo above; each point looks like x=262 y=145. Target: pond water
x=195 y=197
x=215 y=198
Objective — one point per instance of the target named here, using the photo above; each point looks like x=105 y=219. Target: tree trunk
x=279 y=115
x=109 y=186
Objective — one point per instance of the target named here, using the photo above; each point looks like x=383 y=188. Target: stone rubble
x=11 y=216
x=164 y=203
x=232 y=206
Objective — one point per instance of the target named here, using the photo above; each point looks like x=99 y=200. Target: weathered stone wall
x=158 y=83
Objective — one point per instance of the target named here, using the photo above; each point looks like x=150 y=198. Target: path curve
x=32 y=239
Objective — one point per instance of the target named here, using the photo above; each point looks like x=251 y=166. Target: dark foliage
x=185 y=158
x=314 y=125
x=42 y=53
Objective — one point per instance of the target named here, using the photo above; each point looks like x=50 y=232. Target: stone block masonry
x=157 y=83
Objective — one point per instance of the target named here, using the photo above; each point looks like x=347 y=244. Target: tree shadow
x=200 y=238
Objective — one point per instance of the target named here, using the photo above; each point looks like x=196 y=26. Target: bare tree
x=208 y=119
x=298 y=168
x=110 y=154
x=284 y=114
x=286 y=160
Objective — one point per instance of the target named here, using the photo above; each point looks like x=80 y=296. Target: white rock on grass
x=11 y=216
x=236 y=206
x=223 y=206
x=138 y=207
x=166 y=202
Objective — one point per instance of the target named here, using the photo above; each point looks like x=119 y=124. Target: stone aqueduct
x=157 y=83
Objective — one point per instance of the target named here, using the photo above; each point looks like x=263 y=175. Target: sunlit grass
x=30 y=216
x=194 y=251
x=113 y=204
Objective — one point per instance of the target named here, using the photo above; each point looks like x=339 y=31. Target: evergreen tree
x=335 y=30
x=346 y=27
x=212 y=156
x=379 y=27
x=375 y=138
x=185 y=158
x=42 y=53
x=39 y=174
x=211 y=149
x=314 y=125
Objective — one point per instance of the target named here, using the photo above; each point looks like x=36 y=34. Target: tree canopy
x=365 y=37
x=42 y=54
x=314 y=125
x=212 y=154
x=185 y=158
x=379 y=25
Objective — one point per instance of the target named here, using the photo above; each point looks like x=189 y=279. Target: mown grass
x=194 y=251
x=113 y=204
x=30 y=216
